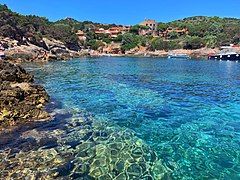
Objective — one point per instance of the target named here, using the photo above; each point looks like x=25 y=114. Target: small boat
x=226 y=54
x=178 y=56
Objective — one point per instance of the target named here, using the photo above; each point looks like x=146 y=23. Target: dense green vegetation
x=202 y=32
x=34 y=28
x=130 y=41
x=211 y=31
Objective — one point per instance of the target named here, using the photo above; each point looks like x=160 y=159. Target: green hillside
x=203 y=32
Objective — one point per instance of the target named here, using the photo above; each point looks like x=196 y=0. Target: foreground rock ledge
x=20 y=99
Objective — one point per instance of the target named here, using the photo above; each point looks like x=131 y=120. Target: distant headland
x=34 y=38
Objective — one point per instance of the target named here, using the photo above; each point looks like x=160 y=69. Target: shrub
x=95 y=44
x=162 y=27
x=119 y=38
x=134 y=29
x=158 y=44
x=174 y=45
x=173 y=35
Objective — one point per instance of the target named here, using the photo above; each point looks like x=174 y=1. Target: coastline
x=56 y=50
x=197 y=53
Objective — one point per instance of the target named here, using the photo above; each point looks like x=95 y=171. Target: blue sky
x=125 y=11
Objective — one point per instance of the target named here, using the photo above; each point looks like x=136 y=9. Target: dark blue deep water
x=188 y=111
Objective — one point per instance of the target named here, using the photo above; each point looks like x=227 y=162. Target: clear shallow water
x=187 y=111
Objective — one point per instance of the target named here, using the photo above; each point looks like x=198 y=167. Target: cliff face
x=20 y=99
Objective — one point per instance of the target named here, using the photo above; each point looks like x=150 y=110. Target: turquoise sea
x=133 y=118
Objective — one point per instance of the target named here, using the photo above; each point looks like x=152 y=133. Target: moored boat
x=227 y=54
x=181 y=56
x=226 y=57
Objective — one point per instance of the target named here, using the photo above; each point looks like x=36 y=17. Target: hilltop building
x=152 y=24
x=152 y=28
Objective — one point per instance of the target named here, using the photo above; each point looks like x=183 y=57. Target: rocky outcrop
x=57 y=50
x=26 y=53
x=20 y=99
x=52 y=50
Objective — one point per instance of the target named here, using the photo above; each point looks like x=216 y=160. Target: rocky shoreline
x=198 y=53
x=56 y=50
x=20 y=99
x=27 y=52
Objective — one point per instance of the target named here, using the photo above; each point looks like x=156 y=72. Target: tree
x=135 y=29
x=4 y=8
x=158 y=44
x=90 y=35
x=64 y=33
x=196 y=29
x=215 y=28
x=223 y=39
x=162 y=27
x=211 y=41
x=236 y=39
x=173 y=35
x=107 y=40
x=95 y=44
x=143 y=40
x=118 y=38
x=129 y=41
x=8 y=31
x=174 y=44
x=193 y=42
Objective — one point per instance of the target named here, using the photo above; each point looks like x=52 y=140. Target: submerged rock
x=20 y=99
x=120 y=155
